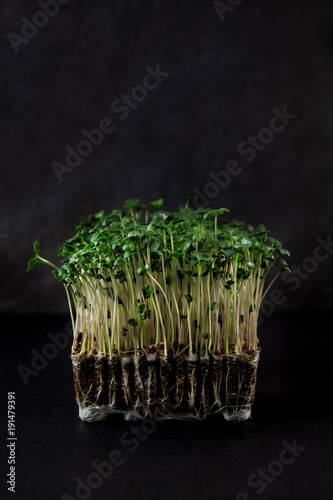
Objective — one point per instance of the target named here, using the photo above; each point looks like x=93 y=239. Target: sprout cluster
x=145 y=279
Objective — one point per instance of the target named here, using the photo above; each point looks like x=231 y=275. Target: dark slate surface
x=180 y=460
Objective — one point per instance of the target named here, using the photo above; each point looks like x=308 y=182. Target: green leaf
x=141 y=271
x=140 y=308
x=213 y=306
x=118 y=262
x=145 y=314
x=213 y=213
x=131 y=203
x=134 y=234
x=31 y=264
x=133 y=322
x=99 y=214
x=161 y=215
x=147 y=291
x=118 y=213
x=227 y=251
x=182 y=315
x=202 y=256
x=157 y=203
x=188 y=244
x=283 y=251
x=188 y=298
x=221 y=211
x=246 y=242
x=36 y=247
x=154 y=245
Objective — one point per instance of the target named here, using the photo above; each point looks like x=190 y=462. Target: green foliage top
x=193 y=238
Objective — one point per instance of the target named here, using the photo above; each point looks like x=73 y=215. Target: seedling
x=145 y=282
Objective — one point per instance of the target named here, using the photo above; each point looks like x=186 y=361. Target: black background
x=225 y=78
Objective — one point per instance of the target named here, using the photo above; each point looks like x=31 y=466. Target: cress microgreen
x=179 y=277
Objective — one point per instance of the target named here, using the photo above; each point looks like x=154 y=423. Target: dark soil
x=151 y=385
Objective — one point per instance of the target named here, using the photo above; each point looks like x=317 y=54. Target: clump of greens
x=144 y=279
